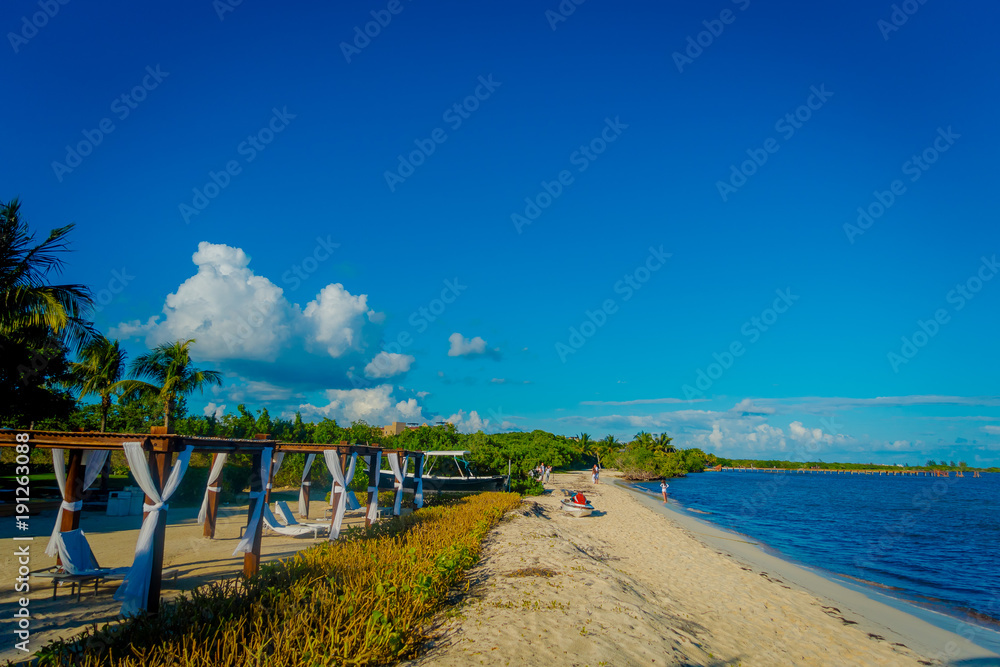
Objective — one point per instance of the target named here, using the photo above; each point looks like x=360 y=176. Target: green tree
x=662 y=443
x=38 y=321
x=30 y=306
x=167 y=373
x=100 y=372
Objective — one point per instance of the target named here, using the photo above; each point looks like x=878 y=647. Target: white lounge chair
x=79 y=565
x=285 y=513
x=272 y=524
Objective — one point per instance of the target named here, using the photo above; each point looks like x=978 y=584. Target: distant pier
x=859 y=471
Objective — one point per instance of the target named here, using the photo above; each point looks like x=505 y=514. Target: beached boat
x=571 y=506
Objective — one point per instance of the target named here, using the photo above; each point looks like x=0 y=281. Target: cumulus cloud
x=468 y=347
x=245 y=322
x=389 y=364
x=375 y=405
x=471 y=422
x=214 y=410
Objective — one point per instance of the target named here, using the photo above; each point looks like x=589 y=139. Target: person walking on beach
x=663 y=490
x=596 y=474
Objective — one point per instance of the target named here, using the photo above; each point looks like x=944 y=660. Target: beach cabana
x=151 y=459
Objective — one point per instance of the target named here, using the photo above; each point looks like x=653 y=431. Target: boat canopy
x=456 y=452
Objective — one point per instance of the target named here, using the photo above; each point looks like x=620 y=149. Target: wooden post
x=74 y=490
x=251 y=560
x=159 y=466
x=212 y=512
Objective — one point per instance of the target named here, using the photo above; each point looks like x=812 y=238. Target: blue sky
x=511 y=217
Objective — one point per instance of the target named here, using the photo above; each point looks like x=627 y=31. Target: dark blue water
x=931 y=541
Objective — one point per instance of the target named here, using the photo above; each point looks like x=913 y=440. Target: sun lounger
x=283 y=511
x=272 y=524
x=80 y=567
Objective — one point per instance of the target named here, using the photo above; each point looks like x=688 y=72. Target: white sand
x=635 y=588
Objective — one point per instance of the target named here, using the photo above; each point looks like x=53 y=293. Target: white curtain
x=340 y=484
x=373 y=474
x=400 y=475
x=212 y=486
x=134 y=590
x=94 y=460
x=418 y=498
x=352 y=500
x=276 y=462
x=304 y=488
x=246 y=544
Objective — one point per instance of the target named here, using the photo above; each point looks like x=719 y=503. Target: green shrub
x=366 y=599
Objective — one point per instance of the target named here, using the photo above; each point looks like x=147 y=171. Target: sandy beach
x=113 y=538
x=631 y=585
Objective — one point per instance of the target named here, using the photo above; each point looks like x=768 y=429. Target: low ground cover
x=365 y=599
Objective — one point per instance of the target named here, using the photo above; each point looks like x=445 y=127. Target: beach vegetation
x=367 y=599
x=168 y=375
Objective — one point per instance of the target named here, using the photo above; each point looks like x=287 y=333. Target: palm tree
x=662 y=443
x=586 y=444
x=30 y=307
x=608 y=445
x=100 y=372
x=643 y=439
x=169 y=368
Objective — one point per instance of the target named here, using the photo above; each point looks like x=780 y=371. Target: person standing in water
x=663 y=490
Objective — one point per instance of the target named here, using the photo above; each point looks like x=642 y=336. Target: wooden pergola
x=161 y=448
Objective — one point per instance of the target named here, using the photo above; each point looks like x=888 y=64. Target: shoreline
x=633 y=585
x=947 y=618
x=883 y=614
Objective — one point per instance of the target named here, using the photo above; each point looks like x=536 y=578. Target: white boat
x=576 y=509
x=464 y=481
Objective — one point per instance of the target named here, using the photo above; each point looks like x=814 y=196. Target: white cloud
x=389 y=364
x=375 y=405
x=825 y=405
x=645 y=401
x=246 y=322
x=466 y=347
x=747 y=406
x=992 y=430
x=499 y=380
x=472 y=422
x=335 y=319
x=216 y=410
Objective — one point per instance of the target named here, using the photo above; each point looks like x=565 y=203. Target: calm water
x=932 y=541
